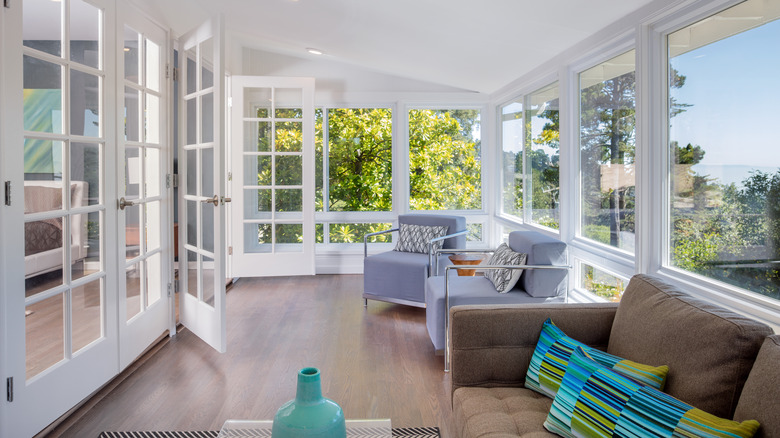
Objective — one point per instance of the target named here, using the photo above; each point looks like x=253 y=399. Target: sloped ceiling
x=467 y=44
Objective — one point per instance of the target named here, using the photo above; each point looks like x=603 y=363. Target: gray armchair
x=399 y=277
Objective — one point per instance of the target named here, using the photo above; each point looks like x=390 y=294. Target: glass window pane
x=192 y=274
x=207 y=172
x=354 y=232
x=192 y=121
x=257 y=238
x=208 y=280
x=289 y=136
x=289 y=200
x=132 y=114
x=257 y=170
x=153 y=70
x=42 y=163
x=192 y=172
x=601 y=283
x=192 y=71
x=445 y=160
x=257 y=136
x=724 y=220
x=44 y=334
x=84 y=33
x=132 y=55
x=607 y=148
x=360 y=151
x=475 y=233
x=152 y=119
x=132 y=231
x=257 y=102
x=44 y=237
x=153 y=224
x=42 y=25
x=154 y=279
x=153 y=172
x=133 y=290
x=512 y=160
x=42 y=96
x=87 y=304
x=542 y=155
x=192 y=221
x=207 y=227
x=291 y=235
x=85 y=165
x=84 y=104
x=207 y=63
x=319 y=163
x=86 y=256
x=288 y=103
x=257 y=204
x=207 y=118
x=289 y=170
x=132 y=173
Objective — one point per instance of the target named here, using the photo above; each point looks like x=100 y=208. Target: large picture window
x=512 y=158
x=445 y=159
x=607 y=149
x=724 y=198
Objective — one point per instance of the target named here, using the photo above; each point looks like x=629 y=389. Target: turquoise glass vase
x=309 y=415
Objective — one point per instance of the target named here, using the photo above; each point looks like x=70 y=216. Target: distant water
x=730 y=173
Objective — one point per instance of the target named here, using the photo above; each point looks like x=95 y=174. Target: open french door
x=273 y=176
x=202 y=249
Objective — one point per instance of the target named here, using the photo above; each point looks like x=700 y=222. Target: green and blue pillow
x=595 y=401
x=551 y=358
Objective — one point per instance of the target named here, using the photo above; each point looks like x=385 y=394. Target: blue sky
x=734 y=87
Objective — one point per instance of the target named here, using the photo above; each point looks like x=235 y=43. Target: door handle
x=122 y=203
x=214 y=200
x=225 y=200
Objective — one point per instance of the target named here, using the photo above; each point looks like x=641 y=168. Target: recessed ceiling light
x=314 y=51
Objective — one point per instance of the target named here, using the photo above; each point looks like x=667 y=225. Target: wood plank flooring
x=376 y=362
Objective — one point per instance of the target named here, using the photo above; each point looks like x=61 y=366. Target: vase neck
x=309 y=388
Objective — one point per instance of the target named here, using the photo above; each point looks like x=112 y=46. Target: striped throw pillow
x=594 y=401
x=551 y=357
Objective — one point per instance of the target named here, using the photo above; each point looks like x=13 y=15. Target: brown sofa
x=719 y=361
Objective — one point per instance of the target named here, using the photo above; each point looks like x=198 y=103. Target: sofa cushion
x=595 y=401
x=505 y=279
x=761 y=393
x=551 y=358
x=499 y=412
x=465 y=291
x=416 y=238
x=541 y=250
x=658 y=323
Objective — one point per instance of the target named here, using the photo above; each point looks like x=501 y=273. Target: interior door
x=201 y=194
x=60 y=306
x=144 y=198
x=273 y=176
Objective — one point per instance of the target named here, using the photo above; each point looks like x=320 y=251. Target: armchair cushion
x=541 y=250
x=505 y=279
x=453 y=224
x=416 y=238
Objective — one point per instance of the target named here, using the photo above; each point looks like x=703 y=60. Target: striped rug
x=400 y=432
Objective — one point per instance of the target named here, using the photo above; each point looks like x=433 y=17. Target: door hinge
x=7 y=3
x=170 y=289
x=168 y=181
x=176 y=286
x=8 y=193
x=9 y=389
x=175 y=74
x=175 y=180
x=230 y=250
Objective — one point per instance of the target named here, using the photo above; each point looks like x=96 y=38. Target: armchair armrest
x=366 y=236
x=431 y=250
x=492 y=345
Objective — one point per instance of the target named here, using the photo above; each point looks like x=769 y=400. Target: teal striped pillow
x=551 y=357
x=594 y=401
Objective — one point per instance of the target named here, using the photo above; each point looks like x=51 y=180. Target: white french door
x=60 y=330
x=273 y=176
x=202 y=247
x=144 y=199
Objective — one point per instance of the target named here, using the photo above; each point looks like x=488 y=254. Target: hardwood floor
x=376 y=362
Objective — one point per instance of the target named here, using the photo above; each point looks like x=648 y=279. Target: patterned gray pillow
x=505 y=279
x=415 y=238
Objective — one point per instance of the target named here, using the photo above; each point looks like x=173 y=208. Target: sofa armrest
x=492 y=345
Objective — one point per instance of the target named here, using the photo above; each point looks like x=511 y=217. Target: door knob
x=225 y=200
x=122 y=203
x=214 y=200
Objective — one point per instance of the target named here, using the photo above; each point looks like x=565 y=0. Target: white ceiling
x=468 y=44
